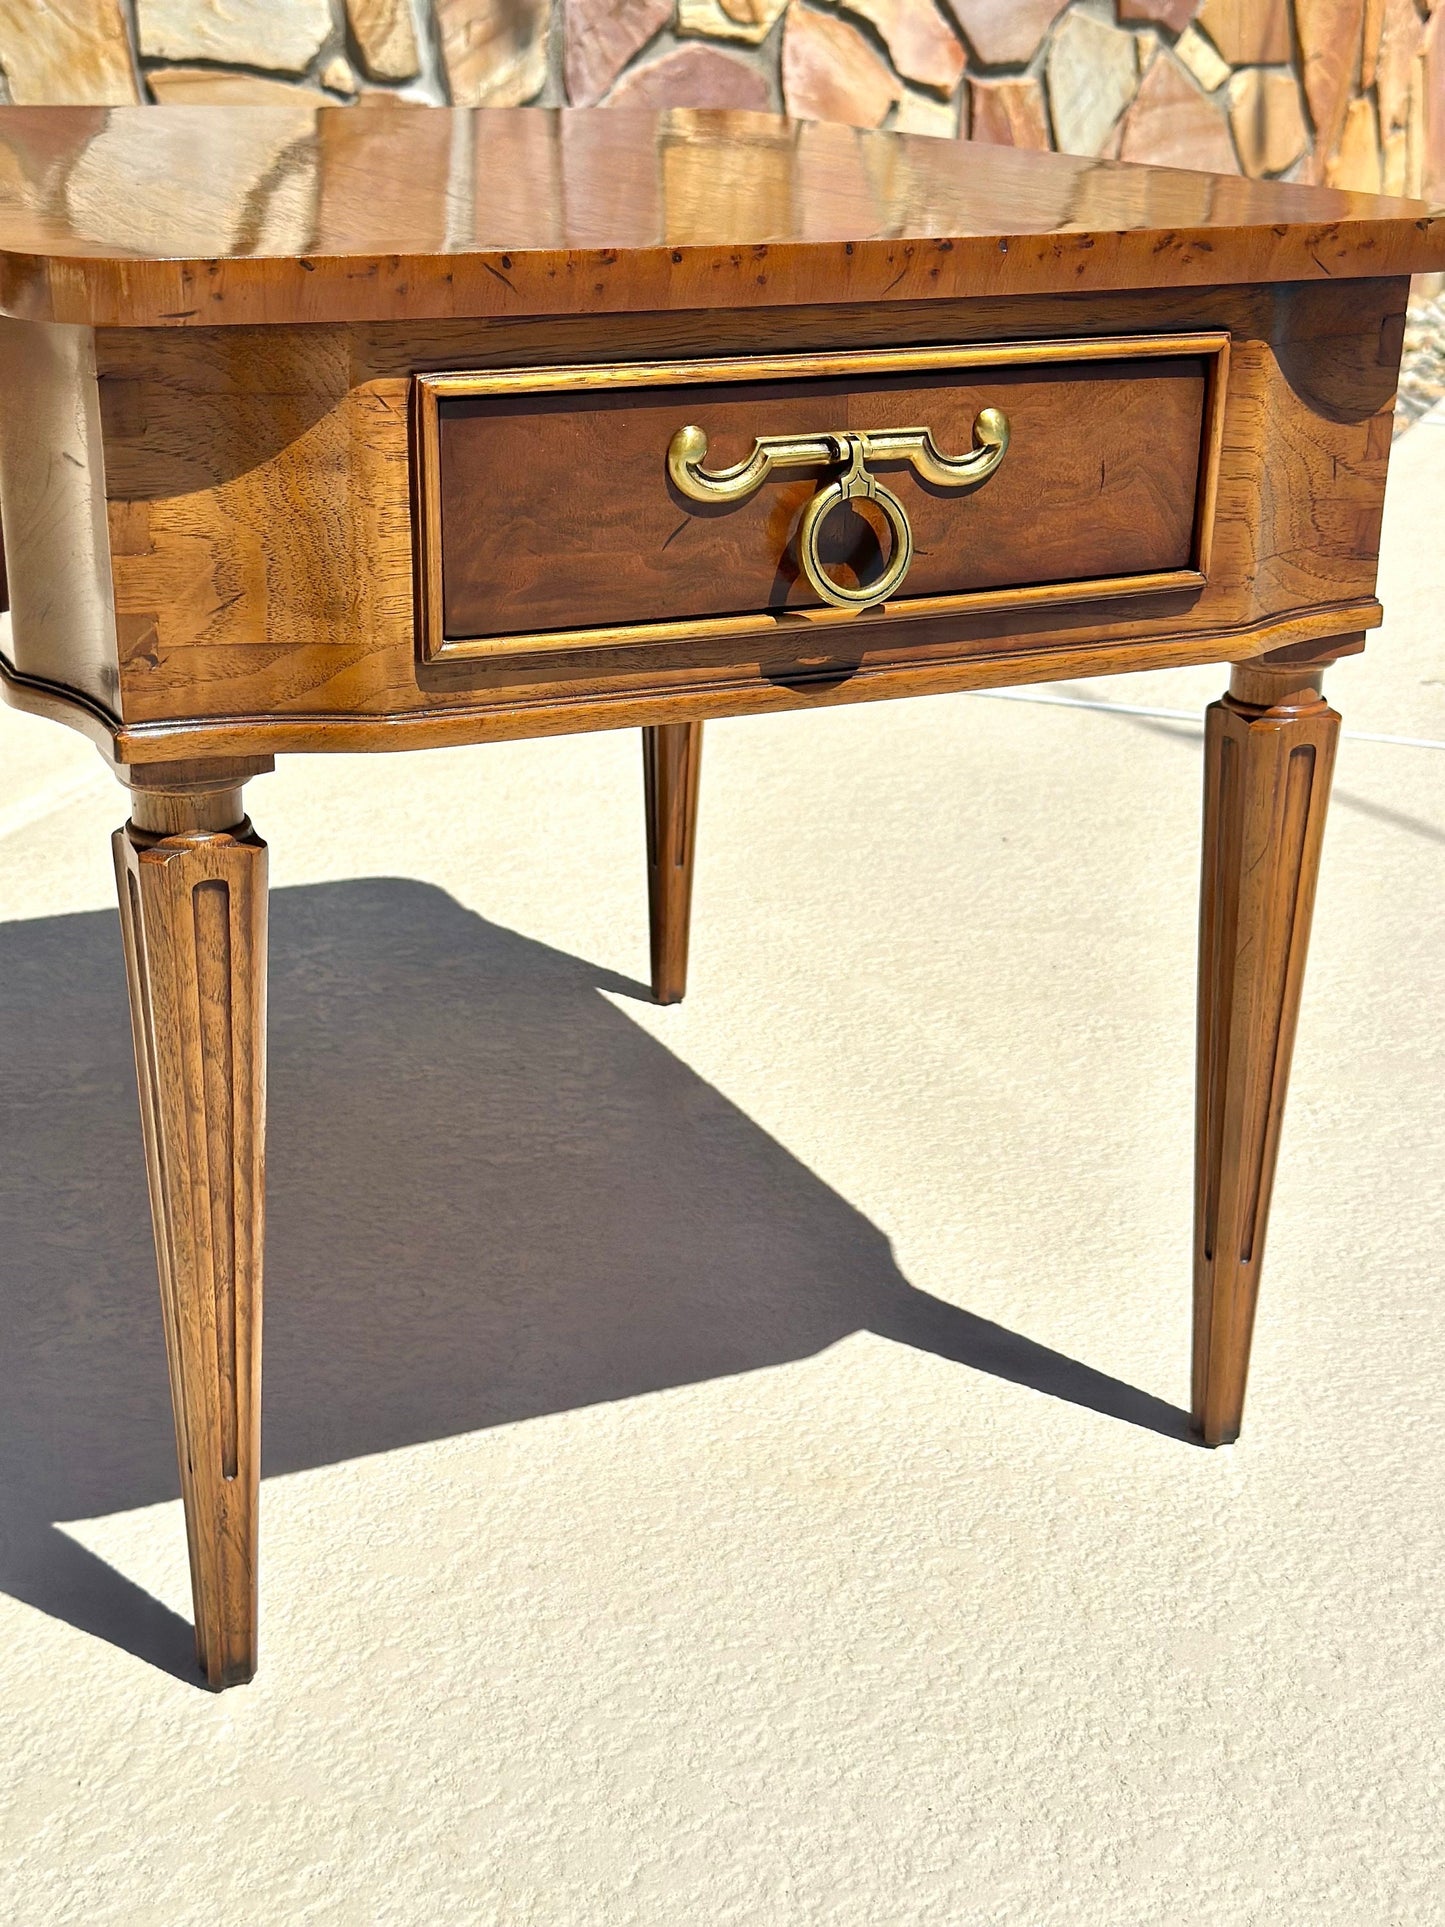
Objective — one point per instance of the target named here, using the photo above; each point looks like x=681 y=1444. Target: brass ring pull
x=688 y=451
x=855 y=484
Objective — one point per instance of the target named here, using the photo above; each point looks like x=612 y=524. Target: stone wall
x=1348 y=92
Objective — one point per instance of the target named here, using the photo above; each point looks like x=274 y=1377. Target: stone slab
x=1356 y=162
x=1173 y=125
x=1267 y=119
x=1197 y=52
x=924 y=48
x=1174 y=14
x=1093 y=70
x=1005 y=32
x=282 y=35
x=1249 y=32
x=831 y=73
x=692 y=77
x=494 y=52
x=1009 y=113
x=205 y=86
x=1329 y=37
x=921 y=113
x=385 y=37
x=1402 y=32
x=747 y=20
x=601 y=36
x=67 y=53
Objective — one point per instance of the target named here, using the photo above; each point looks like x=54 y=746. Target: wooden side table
x=358 y=432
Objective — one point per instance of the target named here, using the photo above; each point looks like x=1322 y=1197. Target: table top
x=198 y=216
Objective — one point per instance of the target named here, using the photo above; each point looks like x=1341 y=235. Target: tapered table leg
x=671 y=765
x=192 y=880
x=1269 y=755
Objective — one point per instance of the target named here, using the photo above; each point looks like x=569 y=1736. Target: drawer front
x=551 y=517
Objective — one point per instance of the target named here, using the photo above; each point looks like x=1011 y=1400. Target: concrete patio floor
x=724 y=1464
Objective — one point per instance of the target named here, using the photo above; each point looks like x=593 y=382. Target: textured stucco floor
x=724 y=1464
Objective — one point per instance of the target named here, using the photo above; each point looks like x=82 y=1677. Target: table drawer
x=613 y=506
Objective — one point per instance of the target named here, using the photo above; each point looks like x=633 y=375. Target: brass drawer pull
x=688 y=451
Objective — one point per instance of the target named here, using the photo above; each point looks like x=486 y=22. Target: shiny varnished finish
x=1268 y=757
x=671 y=767
x=226 y=523
x=559 y=523
x=247 y=600
x=192 y=881
x=203 y=216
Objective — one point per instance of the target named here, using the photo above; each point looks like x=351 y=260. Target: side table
x=345 y=431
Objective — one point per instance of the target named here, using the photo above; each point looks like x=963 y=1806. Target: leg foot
x=1269 y=755
x=192 y=880
x=671 y=764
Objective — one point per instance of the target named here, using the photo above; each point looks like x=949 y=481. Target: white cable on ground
x=1181 y=715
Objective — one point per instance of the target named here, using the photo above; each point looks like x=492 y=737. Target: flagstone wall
x=1346 y=92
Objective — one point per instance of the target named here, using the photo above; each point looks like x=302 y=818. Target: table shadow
x=492 y=1196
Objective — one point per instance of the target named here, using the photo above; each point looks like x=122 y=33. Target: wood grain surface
x=556 y=510
x=262 y=556
x=52 y=501
x=209 y=471
x=192 y=881
x=671 y=769
x=1268 y=757
x=182 y=217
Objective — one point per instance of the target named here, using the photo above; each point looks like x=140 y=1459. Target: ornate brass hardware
x=853 y=451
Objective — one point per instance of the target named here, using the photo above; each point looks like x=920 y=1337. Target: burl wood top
x=177 y=216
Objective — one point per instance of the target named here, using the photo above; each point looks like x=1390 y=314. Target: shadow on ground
x=492 y=1196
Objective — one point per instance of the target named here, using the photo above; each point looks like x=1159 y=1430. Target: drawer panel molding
x=568 y=508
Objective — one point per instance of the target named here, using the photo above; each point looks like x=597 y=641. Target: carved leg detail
x=1269 y=755
x=671 y=765
x=192 y=880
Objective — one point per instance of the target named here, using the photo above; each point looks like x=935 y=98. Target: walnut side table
x=343 y=430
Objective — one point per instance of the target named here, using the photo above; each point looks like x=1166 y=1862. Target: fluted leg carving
x=192 y=880
x=671 y=764
x=1269 y=755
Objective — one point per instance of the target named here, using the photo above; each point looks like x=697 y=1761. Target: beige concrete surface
x=724 y=1464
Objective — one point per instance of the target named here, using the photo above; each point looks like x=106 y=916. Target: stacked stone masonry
x=1346 y=92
